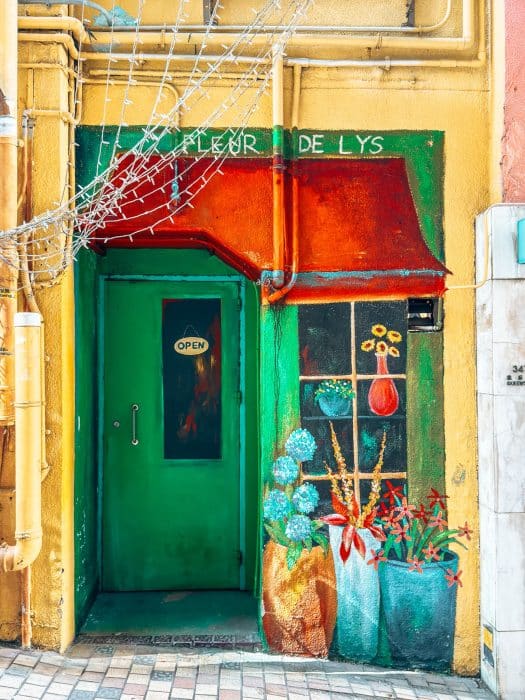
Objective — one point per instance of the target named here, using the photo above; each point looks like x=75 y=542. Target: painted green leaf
x=293 y=554
x=276 y=535
x=321 y=540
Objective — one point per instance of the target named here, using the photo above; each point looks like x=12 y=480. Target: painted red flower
x=431 y=552
x=416 y=564
x=393 y=492
x=421 y=513
x=405 y=510
x=383 y=509
x=453 y=578
x=377 y=557
x=435 y=497
x=390 y=519
x=350 y=537
x=465 y=531
x=438 y=521
x=402 y=532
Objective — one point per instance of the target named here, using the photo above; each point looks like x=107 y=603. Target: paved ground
x=92 y=671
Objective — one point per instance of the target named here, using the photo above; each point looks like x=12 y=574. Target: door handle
x=134 y=410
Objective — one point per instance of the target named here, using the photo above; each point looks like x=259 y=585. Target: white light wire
x=105 y=200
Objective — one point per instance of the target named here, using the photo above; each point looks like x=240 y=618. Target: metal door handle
x=134 y=409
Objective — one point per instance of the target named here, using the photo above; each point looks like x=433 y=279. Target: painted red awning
x=359 y=235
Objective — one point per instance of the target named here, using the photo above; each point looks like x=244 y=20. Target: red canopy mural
x=359 y=235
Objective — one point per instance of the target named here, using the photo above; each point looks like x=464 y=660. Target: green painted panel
x=167 y=524
x=86 y=522
x=425 y=426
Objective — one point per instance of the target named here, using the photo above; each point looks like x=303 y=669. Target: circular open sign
x=191 y=345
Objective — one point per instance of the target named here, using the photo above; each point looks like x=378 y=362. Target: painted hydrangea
x=285 y=470
x=299 y=527
x=300 y=445
x=276 y=505
x=305 y=498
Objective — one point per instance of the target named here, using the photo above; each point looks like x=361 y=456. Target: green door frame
x=230 y=279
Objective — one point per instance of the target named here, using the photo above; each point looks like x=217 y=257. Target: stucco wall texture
x=422 y=98
x=513 y=164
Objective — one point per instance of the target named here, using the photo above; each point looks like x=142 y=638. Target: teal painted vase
x=357 y=626
x=420 y=612
x=333 y=406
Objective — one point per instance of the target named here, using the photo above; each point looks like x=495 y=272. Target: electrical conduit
x=28 y=446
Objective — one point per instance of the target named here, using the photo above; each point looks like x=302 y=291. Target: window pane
x=324 y=338
x=192 y=382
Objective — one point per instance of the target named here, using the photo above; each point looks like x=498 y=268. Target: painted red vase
x=383 y=398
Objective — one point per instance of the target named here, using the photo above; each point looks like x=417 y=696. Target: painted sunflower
x=393 y=351
x=394 y=337
x=368 y=345
x=379 y=330
x=381 y=348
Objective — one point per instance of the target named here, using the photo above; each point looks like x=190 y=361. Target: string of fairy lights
x=81 y=217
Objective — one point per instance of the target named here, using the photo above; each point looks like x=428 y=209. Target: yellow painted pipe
x=8 y=201
x=62 y=24
x=28 y=445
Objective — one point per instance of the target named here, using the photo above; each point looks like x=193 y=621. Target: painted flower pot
x=383 y=398
x=299 y=605
x=334 y=406
x=420 y=611
x=357 y=627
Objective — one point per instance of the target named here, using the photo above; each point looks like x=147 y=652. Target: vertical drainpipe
x=8 y=201
x=278 y=168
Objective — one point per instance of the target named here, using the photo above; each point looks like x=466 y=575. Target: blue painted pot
x=357 y=626
x=334 y=406
x=420 y=612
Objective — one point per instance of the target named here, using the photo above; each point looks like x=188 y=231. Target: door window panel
x=191 y=351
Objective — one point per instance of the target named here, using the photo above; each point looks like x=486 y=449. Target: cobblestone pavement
x=91 y=671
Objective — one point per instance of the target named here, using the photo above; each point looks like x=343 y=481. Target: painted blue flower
x=285 y=470
x=301 y=445
x=276 y=505
x=305 y=498
x=299 y=527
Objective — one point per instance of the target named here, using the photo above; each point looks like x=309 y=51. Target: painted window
x=353 y=379
x=191 y=352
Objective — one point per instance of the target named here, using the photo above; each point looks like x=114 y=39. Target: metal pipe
x=82 y=3
x=278 y=168
x=28 y=408
x=60 y=24
x=8 y=201
x=26 y=631
x=385 y=63
x=296 y=98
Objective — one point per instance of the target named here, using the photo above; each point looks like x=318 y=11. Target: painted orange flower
x=394 y=336
x=381 y=348
x=393 y=351
x=415 y=564
x=368 y=345
x=431 y=552
x=379 y=330
x=377 y=557
x=465 y=531
x=453 y=578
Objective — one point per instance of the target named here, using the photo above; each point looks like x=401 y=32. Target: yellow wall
x=456 y=101
x=46 y=88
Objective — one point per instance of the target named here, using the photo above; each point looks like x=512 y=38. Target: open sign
x=191 y=345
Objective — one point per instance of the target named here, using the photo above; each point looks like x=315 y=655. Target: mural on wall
x=352 y=566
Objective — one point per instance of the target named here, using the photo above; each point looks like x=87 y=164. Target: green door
x=171 y=487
